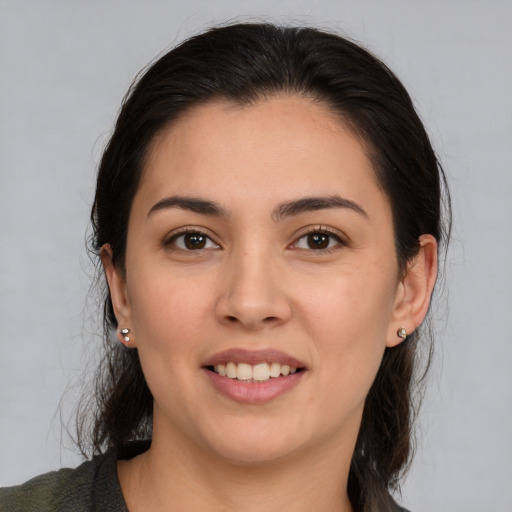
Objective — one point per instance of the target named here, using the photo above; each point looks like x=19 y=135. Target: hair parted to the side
x=245 y=63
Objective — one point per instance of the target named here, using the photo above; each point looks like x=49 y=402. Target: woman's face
x=259 y=241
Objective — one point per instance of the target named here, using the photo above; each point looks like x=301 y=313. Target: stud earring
x=402 y=333
x=124 y=333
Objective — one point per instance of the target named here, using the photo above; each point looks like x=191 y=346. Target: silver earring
x=402 y=333
x=124 y=332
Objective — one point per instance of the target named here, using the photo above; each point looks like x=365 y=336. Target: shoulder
x=51 y=491
x=92 y=486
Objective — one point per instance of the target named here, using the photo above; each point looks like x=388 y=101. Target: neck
x=173 y=477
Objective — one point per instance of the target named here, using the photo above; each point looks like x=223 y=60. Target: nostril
x=267 y=320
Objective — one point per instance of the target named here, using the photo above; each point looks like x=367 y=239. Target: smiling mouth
x=260 y=372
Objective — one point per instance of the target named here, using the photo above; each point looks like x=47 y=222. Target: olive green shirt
x=92 y=486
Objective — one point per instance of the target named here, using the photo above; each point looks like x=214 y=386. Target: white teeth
x=275 y=370
x=231 y=370
x=259 y=372
x=244 y=371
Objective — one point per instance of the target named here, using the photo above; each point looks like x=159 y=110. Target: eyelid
x=341 y=238
x=176 y=233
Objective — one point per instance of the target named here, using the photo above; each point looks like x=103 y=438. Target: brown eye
x=318 y=241
x=193 y=241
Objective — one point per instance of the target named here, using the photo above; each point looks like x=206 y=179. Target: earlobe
x=415 y=292
x=118 y=294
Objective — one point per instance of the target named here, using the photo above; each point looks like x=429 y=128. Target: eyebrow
x=192 y=204
x=309 y=204
x=287 y=209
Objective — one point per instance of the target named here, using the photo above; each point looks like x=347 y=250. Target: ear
x=414 y=291
x=118 y=294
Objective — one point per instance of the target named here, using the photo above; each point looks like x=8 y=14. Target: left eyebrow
x=309 y=204
x=192 y=204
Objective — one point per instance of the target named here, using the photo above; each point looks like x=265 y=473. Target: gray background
x=64 y=67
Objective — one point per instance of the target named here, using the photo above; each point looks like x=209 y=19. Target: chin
x=252 y=454
x=256 y=444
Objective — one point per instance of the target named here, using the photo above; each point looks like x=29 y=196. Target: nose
x=253 y=294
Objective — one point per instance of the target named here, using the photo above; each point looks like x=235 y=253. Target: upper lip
x=252 y=357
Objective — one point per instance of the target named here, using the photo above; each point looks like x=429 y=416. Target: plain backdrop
x=64 y=67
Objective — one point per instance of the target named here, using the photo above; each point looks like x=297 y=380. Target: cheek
x=169 y=314
x=169 y=320
x=349 y=323
x=352 y=305
x=349 y=361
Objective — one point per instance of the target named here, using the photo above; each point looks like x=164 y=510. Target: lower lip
x=253 y=392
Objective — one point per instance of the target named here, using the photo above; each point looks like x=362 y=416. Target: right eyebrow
x=192 y=204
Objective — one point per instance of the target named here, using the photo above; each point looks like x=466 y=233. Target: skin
x=258 y=284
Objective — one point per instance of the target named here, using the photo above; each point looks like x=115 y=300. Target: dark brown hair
x=245 y=63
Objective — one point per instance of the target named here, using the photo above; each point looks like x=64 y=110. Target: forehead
x=281 y=146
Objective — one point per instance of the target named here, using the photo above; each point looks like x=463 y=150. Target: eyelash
x=171 y=240
x=321 y=230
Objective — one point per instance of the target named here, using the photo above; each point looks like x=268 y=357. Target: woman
x=268 y=216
